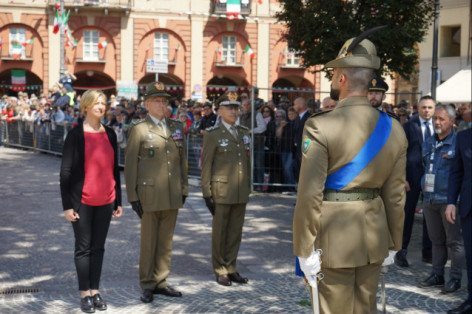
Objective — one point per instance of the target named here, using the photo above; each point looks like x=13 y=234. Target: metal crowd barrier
x=49 y=137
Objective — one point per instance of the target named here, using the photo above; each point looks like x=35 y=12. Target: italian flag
x=18 y=78
x=248 y=50
x=28 y=42
x=16 y=50
x=233 y=9
x=55 y=29
x=102 y=44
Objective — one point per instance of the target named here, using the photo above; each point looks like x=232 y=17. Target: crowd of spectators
x=275 y=124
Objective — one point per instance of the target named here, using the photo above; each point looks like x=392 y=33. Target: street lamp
x=434 y=66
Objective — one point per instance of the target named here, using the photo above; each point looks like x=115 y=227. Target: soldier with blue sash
x=351 y=190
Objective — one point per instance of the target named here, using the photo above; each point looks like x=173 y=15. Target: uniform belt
x=358 y=194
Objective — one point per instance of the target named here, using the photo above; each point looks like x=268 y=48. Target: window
x=91 y=45
x=161 y=47
x=17 y=38
x=229 y=50
x=292 y=60
x=450 y=41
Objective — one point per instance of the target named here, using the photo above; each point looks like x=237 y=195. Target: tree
x=318 y=28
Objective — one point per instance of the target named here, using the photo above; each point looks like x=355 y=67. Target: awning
x=457 y=89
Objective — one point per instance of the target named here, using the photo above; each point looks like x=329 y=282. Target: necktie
x=160 y=125
x=427 y=132
x=233 y=131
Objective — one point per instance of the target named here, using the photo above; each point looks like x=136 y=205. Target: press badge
x=429 y=182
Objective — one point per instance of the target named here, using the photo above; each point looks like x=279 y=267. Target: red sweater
x=99 y=182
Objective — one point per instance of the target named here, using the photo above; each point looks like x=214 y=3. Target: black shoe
x=86 y=305
x=432 y=281
x=223 y=280
x=464 y=308
x=400 y=259
x=147 y=296
x=99 y=303
x=452 y=285
x=236 y=277
x=168 y=291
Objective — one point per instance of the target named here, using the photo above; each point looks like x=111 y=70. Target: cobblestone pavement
x=37 y=272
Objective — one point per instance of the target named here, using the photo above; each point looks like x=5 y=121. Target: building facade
x=200 y=47
x=454 y=44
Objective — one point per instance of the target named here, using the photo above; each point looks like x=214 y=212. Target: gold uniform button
x=168 y=162
x=168 y=152
x=170 y=173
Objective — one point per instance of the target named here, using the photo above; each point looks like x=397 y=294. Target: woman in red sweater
x=91 y=193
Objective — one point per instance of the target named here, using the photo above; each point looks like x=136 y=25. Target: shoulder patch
x=212 y=128
x=136 y=122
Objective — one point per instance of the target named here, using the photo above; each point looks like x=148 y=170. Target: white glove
x=390 y=259
x=311 y=266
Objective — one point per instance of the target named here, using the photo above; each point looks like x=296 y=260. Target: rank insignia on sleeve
x=306 y=144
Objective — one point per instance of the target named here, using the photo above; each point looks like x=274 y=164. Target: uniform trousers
x=446 y=238
x=90 y=232
x=349 y=290
x=157 y=231
x=226 y=235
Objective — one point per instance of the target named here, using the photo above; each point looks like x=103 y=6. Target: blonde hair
x=89 y=98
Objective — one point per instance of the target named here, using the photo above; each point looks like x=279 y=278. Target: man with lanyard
x=351 y=189
x=376 y=93
x=438 y=154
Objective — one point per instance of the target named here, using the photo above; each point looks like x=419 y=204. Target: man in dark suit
x=417 y=129
x=460 y=183
x=301 y=108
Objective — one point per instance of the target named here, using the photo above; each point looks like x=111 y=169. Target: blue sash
x=344 y=175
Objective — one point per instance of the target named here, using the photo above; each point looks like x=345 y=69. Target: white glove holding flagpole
x=311 y=266
x=390 y=259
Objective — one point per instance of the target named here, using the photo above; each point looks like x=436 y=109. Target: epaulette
x=212 y=128
x=320 y=113
x=136 y=122
x=243 y=127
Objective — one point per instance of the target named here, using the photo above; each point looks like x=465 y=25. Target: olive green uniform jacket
x=226 y=165
x=156 y=165
x=355 y=233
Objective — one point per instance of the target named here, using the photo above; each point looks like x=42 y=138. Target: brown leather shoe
x=223 y=280
x=168 y=291
x=236 y=277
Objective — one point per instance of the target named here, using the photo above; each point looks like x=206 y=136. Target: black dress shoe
x=452 y=285
x=432 y=281
x=168 y=291
x=400 y=259
x=464 y=308
x=99 y=303
x=223 y=280
x=86 y=305
x=236 y=277
x=147 y=296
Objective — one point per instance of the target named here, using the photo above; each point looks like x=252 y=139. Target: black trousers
x=412 y=197
x=90 y=234
x=466 y=223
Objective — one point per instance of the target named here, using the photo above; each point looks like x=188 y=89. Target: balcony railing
x=98 y=4
x=220 y=8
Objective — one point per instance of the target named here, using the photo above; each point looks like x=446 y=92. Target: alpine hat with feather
x=156 y=89
x=357 y=52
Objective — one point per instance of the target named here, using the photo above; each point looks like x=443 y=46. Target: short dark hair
x=427 y=97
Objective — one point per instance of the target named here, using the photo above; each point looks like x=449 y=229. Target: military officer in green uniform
x=226 y=187
x=351 y=189
x=157 y=185
x=376 y=93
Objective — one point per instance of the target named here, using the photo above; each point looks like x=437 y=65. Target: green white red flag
x=233 y=9
x=16 y=50
x=248 y=50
